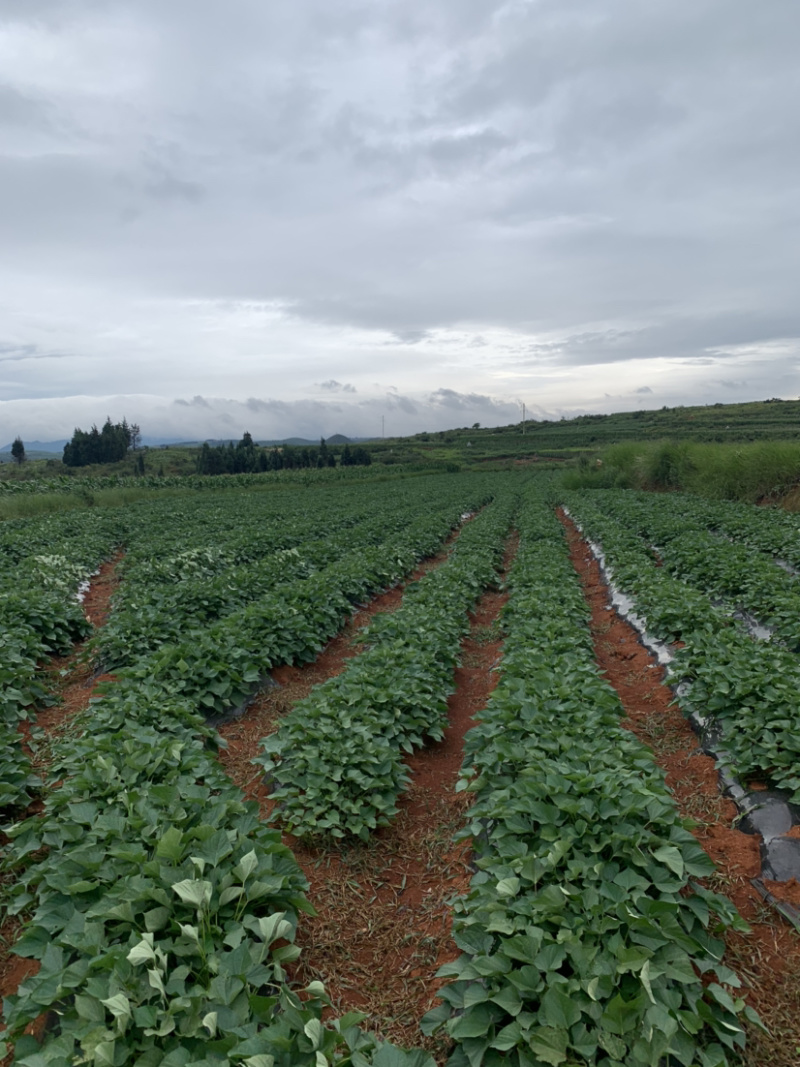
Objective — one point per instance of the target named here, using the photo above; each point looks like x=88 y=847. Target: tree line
x=113 y=442
x=246 y=457
x=108 y=445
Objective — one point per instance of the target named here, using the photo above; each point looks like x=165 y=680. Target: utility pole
x=523 y=418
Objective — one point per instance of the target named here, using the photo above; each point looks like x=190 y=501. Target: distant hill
x=765 y=420
x=56 y=448
x=296 y=442
x=302 y=442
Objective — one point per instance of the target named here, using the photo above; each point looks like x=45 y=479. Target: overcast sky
x=299 y=218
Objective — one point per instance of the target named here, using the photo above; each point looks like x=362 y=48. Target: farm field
x=347 y=759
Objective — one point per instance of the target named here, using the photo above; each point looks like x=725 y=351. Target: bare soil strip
x=383 y=923
x=768 y=958
x=71 y=677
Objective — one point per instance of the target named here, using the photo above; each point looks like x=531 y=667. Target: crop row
x=584 y=937
x=218 y=667
x=748 y=687
x=170 y=590
x=88 y=484
x=78 y=539
x=336 y=760
x=163 y=910
x=744 y=576
x=770 y=530
x=39 y=617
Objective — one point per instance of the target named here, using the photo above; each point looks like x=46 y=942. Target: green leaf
x=156 y=919
x=247 y=864
x=722 y=997
x=104 y=1053
x=434 y=1019
x=611 y=1044
x=671 y=857
x=558 y=1009
x=475 y=1022
x=143 y=951
x=314 y=1032
x=389 y=1055
x=548 y=1044
x=271 y=927
x=90 y=1009
x=508 y=1037
x=118 y=1005
x=194 y=891
x=170 y=845
x=156 y=982
x=621 y=1015
x=508 y=999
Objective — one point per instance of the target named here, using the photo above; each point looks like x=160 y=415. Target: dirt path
x=383 y=923
x=768 y=959
x=71 y=678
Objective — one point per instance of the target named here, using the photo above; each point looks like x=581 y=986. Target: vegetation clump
x=246 y=457
x=109 y=445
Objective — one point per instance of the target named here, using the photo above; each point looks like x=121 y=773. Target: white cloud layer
x=584 y=206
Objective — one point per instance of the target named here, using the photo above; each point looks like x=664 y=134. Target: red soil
x=767 y=958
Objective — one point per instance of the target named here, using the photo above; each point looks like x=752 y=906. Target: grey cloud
x=700 y=341
x=398 y=157
x=473 y=402
x=410 y=337
x=14 y=352
x=603 y=183
x=268 y=407
x=35 y=10
x=396 y=402
x=332 y=386
x=163 y=185
x=19 y=109
x=10 y=353
x=643 y=389
x=469 y=148
x=451 y=399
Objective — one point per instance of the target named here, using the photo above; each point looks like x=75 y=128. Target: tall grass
x=31 y=505
x=748 y=472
